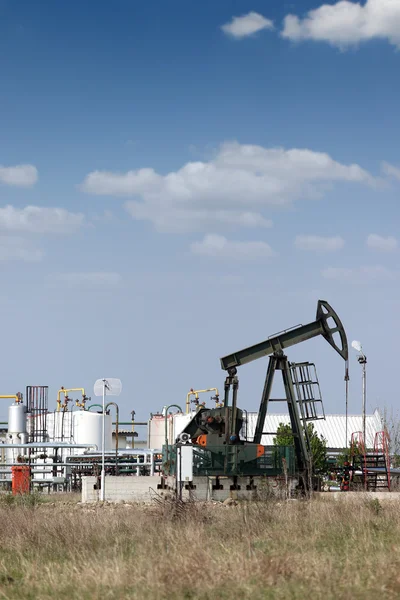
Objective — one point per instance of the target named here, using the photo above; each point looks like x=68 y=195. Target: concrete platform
x=144 y=489
x=128 y=489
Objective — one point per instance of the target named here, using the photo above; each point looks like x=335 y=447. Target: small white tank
x=88 y=429
x=17 y=432
x=17 y=418
x=156 y=431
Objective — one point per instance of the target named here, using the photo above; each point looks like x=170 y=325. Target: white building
x=332 y=428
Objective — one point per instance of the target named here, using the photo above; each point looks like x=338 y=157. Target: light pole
x=113 y=387
x=103 y=444
x=346 y=379
x=362 y=359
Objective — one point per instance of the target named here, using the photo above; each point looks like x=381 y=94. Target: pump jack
x=218 y=430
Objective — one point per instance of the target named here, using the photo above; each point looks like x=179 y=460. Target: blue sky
x=179 y=180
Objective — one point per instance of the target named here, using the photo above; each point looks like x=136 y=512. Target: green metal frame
x=211 y=461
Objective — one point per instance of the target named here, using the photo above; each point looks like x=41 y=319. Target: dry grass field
x=295 y=549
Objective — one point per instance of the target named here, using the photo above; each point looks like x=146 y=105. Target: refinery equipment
x=164 y=427
x=54 y=445
x=219 y=447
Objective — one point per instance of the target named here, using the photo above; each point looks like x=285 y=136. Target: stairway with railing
x=379 y=463
x=374 y=465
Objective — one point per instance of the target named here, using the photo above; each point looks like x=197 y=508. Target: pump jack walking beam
x=290 y=337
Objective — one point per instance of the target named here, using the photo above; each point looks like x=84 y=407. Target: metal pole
x=103 y=472
x=346 y=378
x=364 y=392
x=152 y=464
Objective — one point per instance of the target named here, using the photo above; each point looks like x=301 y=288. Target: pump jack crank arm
x=294 y=336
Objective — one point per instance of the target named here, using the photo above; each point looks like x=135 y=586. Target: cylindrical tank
x=17 y=432
x=17 y=418
x=157 y=431
x=88 y=429
x=24 y=438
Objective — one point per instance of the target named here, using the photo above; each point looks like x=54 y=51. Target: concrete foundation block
x=129 y=489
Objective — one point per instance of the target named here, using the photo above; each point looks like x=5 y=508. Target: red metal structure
x=374 y=464
x=382 y=452
x=21 y=479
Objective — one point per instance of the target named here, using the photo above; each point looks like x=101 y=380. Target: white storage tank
x=156 y=433
x=17 y=432
x=88 y=429
x=17 y=418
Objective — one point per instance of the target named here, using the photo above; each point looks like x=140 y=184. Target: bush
x=317 y=445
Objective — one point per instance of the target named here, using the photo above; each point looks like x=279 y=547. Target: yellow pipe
x=196 y=393
x=16 y=397
x=65 y=392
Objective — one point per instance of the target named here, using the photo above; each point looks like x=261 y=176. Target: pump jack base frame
x=279 y=362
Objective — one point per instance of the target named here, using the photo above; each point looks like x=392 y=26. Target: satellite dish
x=113 y=387
x=357 y=346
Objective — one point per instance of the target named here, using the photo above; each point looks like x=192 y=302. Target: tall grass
x=295 y=549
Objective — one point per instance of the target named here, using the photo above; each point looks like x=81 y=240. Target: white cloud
x=377 y=242
x=347 y=23
x=318 y=243
x=19 y=176
x=181 y=220
x=121 y=184
x=36 y=219
x=18 y=249
x=245 y=25
x=219 y=247
x=234 y=188
x=96 y=278
x=106 y=217
x=391 y=170
x=359 y=275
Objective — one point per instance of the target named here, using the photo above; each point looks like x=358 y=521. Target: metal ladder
x=379 y=459
x=375 y=465
x=306 y=385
